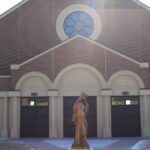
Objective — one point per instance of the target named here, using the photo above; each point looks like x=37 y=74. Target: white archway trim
x=125 y=72
x=33 y=74
x=141 y=64
x=82 y=66
x=78 y=7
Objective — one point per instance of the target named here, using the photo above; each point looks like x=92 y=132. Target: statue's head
x=83 y=96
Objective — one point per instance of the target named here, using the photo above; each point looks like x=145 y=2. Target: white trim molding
x=14 y=94
x=145 y=92
x=126 y=72
x=18 y=94
x=141 y=64
x=3 y=93
x=53 y=93
x=76 y=66
x=10 y=94
x=115 y=52
x=106 y=92
x=33 y=74
x=14 y=67
x=144 y=65
x=13 y=8
x=5 y=76
x=78 y=7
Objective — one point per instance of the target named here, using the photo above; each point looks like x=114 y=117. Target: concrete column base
x=146 y=132
x=4 y=133
x=14 y=133
x=107 y=132
x=53 y=133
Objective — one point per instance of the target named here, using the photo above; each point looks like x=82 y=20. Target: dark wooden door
x=69 y=128
x=126 y=117
x=34 y=118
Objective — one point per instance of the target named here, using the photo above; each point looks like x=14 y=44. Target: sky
x=7 y=4
x=146 y=2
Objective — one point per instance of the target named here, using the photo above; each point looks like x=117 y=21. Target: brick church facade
x=52 y=50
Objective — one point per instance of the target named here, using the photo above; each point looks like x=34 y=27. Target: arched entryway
x=74 y=80
x=125 y=104
x=34 y=112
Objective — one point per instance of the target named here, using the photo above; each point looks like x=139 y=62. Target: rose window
x=78 y=23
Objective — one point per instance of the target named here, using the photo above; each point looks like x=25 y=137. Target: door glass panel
x=27 y=102
x=41 y=103
x=132 y=102
x=125 y=100
x=33 y=101
x=118 y=102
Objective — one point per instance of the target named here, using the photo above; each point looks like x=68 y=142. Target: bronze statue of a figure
x=80 y=110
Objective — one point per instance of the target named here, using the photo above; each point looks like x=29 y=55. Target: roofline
x=4 y=76
x=141 y=4
x=142 y=65
x=25 y=1
x=13 y=9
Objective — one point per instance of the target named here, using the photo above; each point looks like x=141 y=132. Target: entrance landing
x=135 y=143
x=94 y=143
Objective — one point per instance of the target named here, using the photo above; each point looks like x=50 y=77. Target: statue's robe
x=79 y=118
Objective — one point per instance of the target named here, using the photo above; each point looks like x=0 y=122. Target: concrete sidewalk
x=97 y=144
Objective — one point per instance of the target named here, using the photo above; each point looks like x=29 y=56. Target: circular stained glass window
x=78 y=23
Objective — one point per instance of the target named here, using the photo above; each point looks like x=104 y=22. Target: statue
x=80 y=110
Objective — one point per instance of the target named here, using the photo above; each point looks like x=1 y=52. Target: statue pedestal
x=91 y=148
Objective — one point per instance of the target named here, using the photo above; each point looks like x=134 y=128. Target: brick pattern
x=4 y=84
x=79 y=51
x=8 y=42
x=30 y=29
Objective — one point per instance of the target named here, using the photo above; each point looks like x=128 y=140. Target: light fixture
x=32 y=103
x=128 y=102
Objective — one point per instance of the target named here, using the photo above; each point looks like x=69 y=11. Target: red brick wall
x=30 y=29
x=4 y=84
x=79 y=51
